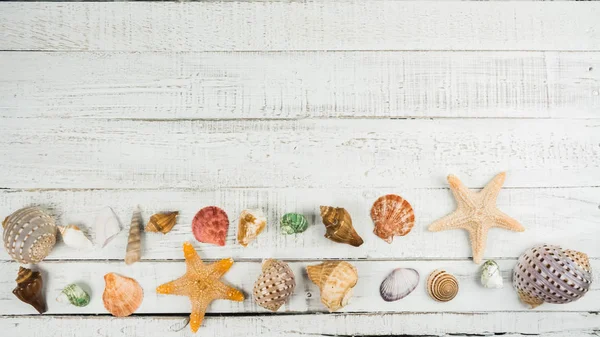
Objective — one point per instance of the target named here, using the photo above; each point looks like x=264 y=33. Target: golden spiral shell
x=442 y=286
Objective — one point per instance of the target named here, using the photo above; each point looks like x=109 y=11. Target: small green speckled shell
x=76 y=296
x=293 y=223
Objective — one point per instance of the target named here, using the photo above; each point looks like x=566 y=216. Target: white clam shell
x=490 y=275
x=399 y=284
x=106 y=225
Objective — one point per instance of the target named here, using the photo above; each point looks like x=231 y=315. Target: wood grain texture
x=564 y=216
x=306 y=297
x=76 y=153
x=508 y=324
x=311 y=25
x=300 y=85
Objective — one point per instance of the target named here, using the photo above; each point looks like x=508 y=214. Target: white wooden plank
x=508 y=324
x=68 y=153
x=300 y=84
x=471 y=297
x=307 y=25
x=568 y=217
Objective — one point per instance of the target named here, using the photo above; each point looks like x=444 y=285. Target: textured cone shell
x=551 y=274
x=210 y=225
x=29 y=289
x=252 y=222
x=399 y=284
x=134 y=241
x=338 y=225
x=162 y=222
x=442 y=286
x=122 y=295
x=29 y=234
x=335 y=280
x=392 y=215
x=275 y=285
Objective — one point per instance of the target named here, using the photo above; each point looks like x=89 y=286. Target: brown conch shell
x=29 y=234
x=552 y=274
x=122 y=295
x=252 y=222
x=338 y=224
x=275 y=285
x=134 y=242
x=162 y=222
x=29 y=289
x=392 y=215
x=442 y=286
x=335 y=280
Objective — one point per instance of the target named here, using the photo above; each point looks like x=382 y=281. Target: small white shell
x=107 y=226
x=490 y=275
x=73 y=237
x=399 y=284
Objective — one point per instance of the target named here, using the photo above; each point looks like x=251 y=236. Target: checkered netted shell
x=551 y=274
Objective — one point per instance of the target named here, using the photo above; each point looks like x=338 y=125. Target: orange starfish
x=201 y=284
x=477 y=213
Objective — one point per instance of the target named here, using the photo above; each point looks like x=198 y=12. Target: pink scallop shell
x=210 y=225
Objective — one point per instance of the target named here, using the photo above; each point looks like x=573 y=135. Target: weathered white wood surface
x=507 y=324
x=306 y=297
x=566 y=216
x=300 y=84
x=81 y=153
x=311 y=25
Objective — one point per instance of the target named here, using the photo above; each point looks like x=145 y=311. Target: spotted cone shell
x=29 y=234
x=210 y=225
x=29 y=289
x=122 y=295
x=338 y=225
x=335 y=279
x=275 y=285
x=392 y=215
x=551 y=274
x=442 y=286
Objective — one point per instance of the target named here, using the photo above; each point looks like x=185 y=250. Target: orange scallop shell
x=122 y=295
x=392 y=215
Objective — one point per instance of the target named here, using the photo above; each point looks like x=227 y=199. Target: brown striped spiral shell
x=442 y=286
x=29 y=234
x=551 y=274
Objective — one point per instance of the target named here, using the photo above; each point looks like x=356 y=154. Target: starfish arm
x=454 y=220
x=503 y=221
x=192 y=260
x=199 y=306
x=461 y=193
x=478 y=238
x=179 y=286
x=225 y=292
x=492 y=189
x=220 y=267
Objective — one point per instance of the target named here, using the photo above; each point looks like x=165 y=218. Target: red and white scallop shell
x=392 y=215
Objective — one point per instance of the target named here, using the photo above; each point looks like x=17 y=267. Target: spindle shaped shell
x=399 y=284
x=442 y=286
x=122 y=295
x=252 y=222
x=210 y=225
x=335 y=280
x=392 y=215
x=275 y=285
x=162 y=222
x=338 y=225
x=133 y=252
x=29 y=289
x=29 y=234
x=551 y=274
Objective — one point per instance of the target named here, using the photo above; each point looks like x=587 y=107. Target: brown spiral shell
x=338 y=226
x=442 y=286
x=29 y=289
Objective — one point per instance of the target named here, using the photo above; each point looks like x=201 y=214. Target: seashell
x=392 y=215
x=275 y=285
x=338 y=224
x=335 y=279
x=398 y=284
x=75 y=295
x=134 y=241
x=442 y=286
x=74 y=237
x=551 y=274
x=29 y=234
x=162 y=222
x=29 y=289
x=252 y=222
x=122 y=295
x=210 y=225
x=106 y=225
x=293 y=223
x=490 y=275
